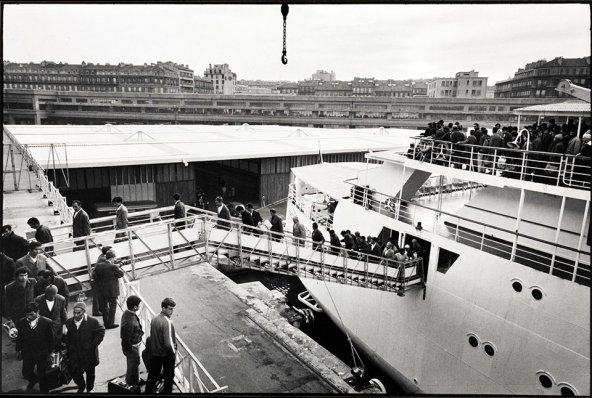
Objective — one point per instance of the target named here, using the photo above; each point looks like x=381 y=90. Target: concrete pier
x=243 y=342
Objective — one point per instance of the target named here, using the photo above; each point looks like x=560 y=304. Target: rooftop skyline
x=384 y=41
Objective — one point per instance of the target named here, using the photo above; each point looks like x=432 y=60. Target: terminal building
x=393 y=110
x=149 y=163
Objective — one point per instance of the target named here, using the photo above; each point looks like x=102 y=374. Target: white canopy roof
x=575 y=108
x=329 y=177
x=107 y=145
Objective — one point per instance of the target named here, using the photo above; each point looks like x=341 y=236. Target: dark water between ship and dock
x=323 y=330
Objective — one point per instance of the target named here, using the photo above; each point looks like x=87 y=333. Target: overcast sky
x=382 y=41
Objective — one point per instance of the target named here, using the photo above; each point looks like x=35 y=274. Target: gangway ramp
x=164 y=243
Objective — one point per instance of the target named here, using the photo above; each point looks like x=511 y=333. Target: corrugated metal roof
x=106 y=145
x=567 y=108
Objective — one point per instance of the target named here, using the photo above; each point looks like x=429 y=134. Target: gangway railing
x=559 y=260
x=162 y=244
x=250 y=247
x=544 y=167
x=50 y=192
x=190 y=374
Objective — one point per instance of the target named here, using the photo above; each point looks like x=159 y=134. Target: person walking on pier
x=299 y=232
x=19 y=293
x=179 y=211
x=83 y=336
x=223 y=214
x=106 y=275
x=35 y=344
x=53 y=306
x=34 y=260
x=80 y=224
x=131 y=338
x=163 y=348
x=13 y=245
x=42 y=234
x=277 y=225
x=120 y=218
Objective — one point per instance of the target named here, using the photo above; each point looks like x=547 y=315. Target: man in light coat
x=299 y=231
x=34 y=260
x=120 y=217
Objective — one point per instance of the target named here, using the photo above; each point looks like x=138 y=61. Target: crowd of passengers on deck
x=541 y=147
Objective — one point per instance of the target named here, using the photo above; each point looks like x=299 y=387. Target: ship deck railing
x=50 y=192
x=563 y=261
x=190 y=374
x=543 y=167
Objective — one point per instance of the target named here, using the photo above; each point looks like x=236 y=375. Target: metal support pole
x=518 y=127
x=518 y=219
x=206 y=238
x=240 y=246
x=171 y=248
x=557 y=232
x=582 y=230
x=398 y=208
x=131 y=250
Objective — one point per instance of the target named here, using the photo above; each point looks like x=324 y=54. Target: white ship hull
x=424 y=343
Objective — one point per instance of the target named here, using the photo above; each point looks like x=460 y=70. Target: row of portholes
x=547 y=381
x=474 y=342
x=535 y=291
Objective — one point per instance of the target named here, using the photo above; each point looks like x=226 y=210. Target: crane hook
x=285 y=10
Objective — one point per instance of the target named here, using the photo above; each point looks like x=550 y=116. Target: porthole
x=567 y=392
x=545 y=381
x=473 y=341
x=537 y=294
x=517 y=286
x=489 y=349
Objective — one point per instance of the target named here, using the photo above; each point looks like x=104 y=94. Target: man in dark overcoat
x=82 y=338
x=19 y=293
x=223 y=214
x=34 y=345
x=277 y=225
x=80 y=223
x=57 y=313
x=106 y=276
x=179 y=211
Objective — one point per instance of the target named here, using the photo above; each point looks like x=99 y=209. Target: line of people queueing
x=551 y=138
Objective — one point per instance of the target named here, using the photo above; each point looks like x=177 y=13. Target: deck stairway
x=159 y=243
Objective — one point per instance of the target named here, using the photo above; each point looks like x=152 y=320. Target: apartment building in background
x=324 y=76
x=223 y=79
x=540 y=78
x=462 y=85
x=162 y=77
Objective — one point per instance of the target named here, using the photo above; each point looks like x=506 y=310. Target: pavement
x=242 y=340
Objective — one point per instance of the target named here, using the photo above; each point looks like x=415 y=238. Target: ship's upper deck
x=551 y=173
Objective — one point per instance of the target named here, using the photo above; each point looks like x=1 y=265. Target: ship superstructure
x=506 y=303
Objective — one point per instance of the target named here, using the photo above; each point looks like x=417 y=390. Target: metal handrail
x=52 y=193
x=402 y=211
x=526 y=165
x=189 y=371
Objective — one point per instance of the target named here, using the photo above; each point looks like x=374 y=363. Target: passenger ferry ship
x=502 y=305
